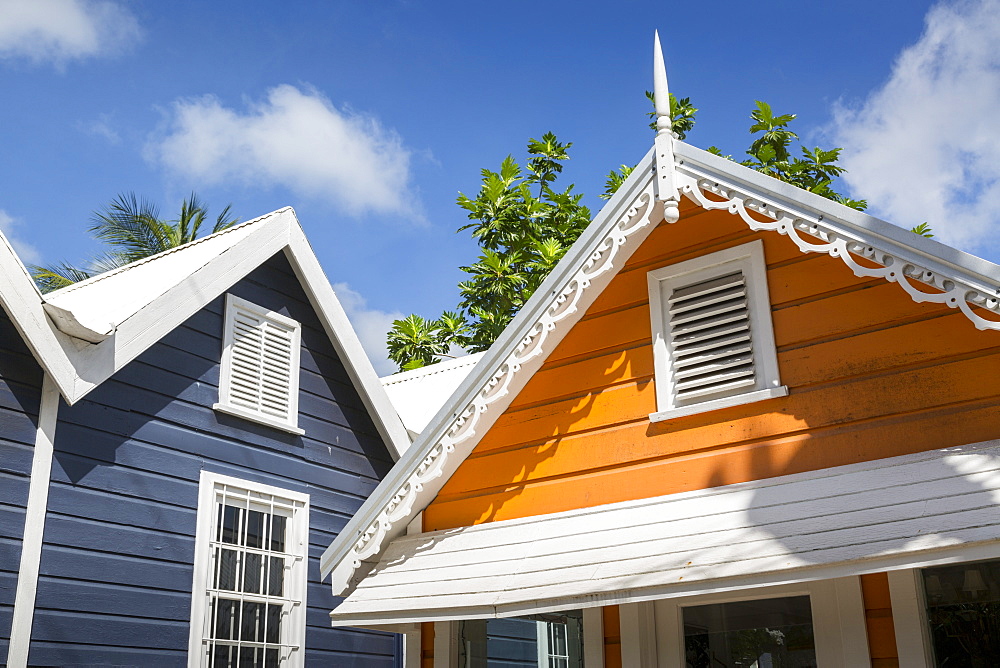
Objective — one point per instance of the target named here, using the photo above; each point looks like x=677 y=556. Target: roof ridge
x=170 y=251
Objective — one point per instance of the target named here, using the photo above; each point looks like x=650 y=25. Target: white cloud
x=371 y=325
x=60 y=30
x=102 y=127
x=28 y=253
x=297 y=139
x=924 y=146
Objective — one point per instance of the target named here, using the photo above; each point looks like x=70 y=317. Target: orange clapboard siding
x=683 y=473
x=426 y=645
x=612 y=636
x=878 y=621
x=871 y=374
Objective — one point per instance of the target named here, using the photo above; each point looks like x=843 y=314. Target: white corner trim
x=34 y=525
x=909 y=618
x=346 y=342
x=638 y=634
x=593 y=638
x=446 y=644
x=715 y=404
x=556 y=305
x=817 y=225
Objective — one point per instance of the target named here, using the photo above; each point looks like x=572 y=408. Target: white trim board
x=931 y=507
x=816 y=224
x=180 y=283
x=34 y=525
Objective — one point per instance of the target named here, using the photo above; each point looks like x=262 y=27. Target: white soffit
x=418 y=394
x=931 y=507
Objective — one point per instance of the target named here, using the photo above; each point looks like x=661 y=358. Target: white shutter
x=260 y=364
x=713 y=343
x=710 y=339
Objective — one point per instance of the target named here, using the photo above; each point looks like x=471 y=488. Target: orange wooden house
x=738 y=425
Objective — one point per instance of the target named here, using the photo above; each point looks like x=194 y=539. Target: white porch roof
x=931 y=507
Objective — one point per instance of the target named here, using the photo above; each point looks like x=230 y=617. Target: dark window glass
x=764 y=633
x=963 y=610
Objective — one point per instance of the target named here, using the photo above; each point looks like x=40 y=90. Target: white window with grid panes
x=259 y=379
x=713 y=342
x=249 y=600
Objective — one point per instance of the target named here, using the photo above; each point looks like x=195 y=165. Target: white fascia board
x=22 y=300
x=854 y=224
x=96 y=363
x=558 y=303
x=346 y=342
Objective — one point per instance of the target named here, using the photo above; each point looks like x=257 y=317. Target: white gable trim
x=77 y=367
x=565 y=295
x=818 y=225
x=557 y=304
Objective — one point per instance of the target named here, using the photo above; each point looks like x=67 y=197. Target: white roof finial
x=665 y=184
x=661 y=94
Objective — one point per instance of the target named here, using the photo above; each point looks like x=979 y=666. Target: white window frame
x=296 y=581
x=225 y=405
x=748 y=258
x=838 y=617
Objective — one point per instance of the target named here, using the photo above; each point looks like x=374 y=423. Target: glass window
x=764 y=633
x=553 y=640
x=963 y=609
x=249 y=606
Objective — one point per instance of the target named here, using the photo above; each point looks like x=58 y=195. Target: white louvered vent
x=713 y=343
x=260 y=365
x=710 y=339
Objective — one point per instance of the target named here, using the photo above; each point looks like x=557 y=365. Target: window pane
x=227 y=619
x=276 y=577
x=551 y=640
x=228 y=565
x=255 y=529
x=252 y=572
x=963 y=609
x=766 y=633
x=230 y=525
x=277 y=533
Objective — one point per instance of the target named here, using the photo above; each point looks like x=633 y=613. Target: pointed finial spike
x=661 y=94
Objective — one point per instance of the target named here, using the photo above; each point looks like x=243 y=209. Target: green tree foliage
x=523 y=225
x=133 y=230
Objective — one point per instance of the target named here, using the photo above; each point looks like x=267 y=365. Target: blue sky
x=369 y=118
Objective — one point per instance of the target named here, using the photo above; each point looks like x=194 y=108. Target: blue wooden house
x=179 y=441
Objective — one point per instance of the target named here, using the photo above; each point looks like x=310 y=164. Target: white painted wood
x=259 y=377
x=837 y=610
x=839 y=622
x=669 y=634
x=411 y=646
x=638 y=634
x=837 y=522
x=34 y=525
x=293 y=630
x=445 y=645
x=747 y=260
x=593 y=638
x=418 y=394
x=716 y=404
x=909 y=618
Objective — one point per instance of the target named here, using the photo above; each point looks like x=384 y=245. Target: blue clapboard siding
x=20 y=393
x=116 y=571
